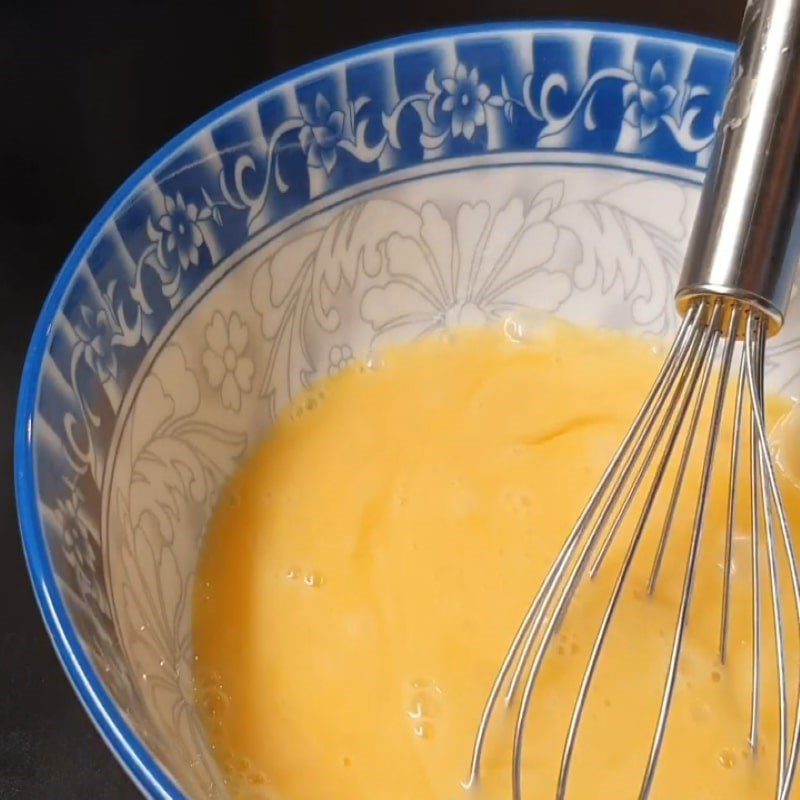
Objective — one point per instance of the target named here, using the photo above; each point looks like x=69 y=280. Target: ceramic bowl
x=377 y=196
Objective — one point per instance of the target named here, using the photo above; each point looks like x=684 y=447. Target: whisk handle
x=746 y=238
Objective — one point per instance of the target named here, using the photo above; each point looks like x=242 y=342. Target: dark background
x=88 y=90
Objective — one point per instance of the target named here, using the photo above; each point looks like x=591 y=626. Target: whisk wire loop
x=532 y=616
x=660 y=443
x=694 y=549
x=685 y=398
x=772 y=502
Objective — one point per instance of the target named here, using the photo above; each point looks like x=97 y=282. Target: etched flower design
x=97 y=334
x=472 y=269
x=73 y=530
x=647 y=97
x=78 y=547
x=227 y=367
x=181 y=233
x=323 y=130
x=464 y=98
x=339 y=357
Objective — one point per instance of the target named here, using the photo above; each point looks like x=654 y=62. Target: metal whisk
x=733 y=295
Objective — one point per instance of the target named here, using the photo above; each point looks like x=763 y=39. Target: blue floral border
x=597 y=90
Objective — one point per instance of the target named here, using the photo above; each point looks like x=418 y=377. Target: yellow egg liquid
x=367 y=569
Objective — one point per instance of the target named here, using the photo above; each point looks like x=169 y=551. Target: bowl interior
x=381 y=196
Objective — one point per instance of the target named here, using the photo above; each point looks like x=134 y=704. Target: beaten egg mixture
x=367 y=568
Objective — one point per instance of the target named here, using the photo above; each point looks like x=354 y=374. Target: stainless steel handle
x=745 y=242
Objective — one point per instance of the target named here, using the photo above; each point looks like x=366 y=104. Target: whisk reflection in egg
x=733 y=294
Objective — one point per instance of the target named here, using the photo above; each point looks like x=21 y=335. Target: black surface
x=88 y=90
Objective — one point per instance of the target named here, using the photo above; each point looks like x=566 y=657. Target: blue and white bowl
x=379 y=195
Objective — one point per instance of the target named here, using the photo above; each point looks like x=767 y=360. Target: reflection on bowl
x=437 y=180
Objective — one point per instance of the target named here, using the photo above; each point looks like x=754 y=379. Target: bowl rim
x=127 y=746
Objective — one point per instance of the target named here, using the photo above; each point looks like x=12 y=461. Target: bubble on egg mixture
x=314 y=580
x=246 y=781
x=307 y=405
x=212 y=702
x=242 y=778
x=310 y=578
x=526 y=325
x=372 y=363
x=786 y=445
x=423 y=707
